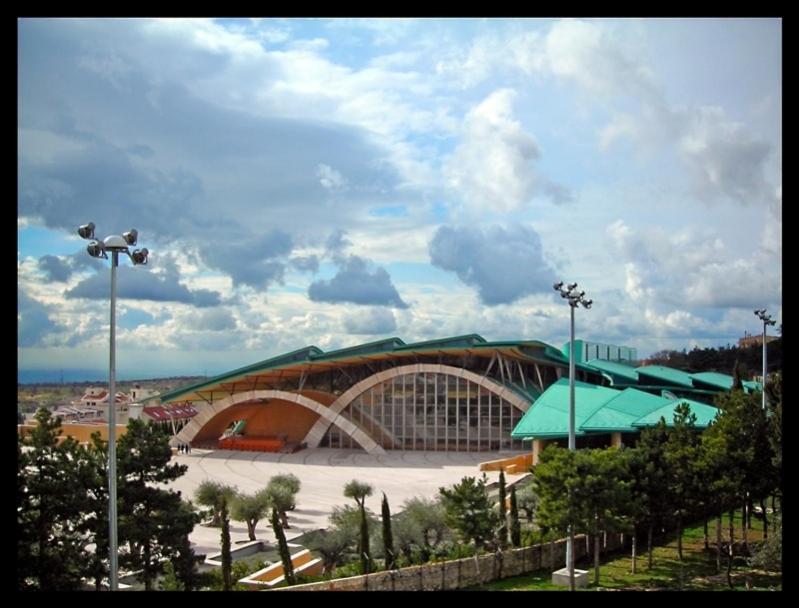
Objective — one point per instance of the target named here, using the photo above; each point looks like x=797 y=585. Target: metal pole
x=765 y=324
x=112 y=444
x=572 y=446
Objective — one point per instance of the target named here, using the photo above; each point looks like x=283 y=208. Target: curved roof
x=311 y=359
x=600 y=409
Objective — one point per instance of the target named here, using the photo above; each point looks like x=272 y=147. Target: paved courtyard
x=323 y=472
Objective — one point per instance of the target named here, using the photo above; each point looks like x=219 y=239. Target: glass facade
x=430 y=411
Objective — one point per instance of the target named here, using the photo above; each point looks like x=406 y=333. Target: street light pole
x=98 y=249
x=574 y=298
x=112 y=439
x=767 y=320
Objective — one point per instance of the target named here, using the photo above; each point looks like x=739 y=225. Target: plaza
x=323 y=472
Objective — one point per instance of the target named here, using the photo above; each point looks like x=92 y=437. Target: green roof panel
x=661 y=373
x=619 y=413
x=624 y=374
x=549 y=415
x=705 y=414
x=713 y=380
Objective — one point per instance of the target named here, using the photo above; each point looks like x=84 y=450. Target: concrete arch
x=318 y=430
x=190 y=431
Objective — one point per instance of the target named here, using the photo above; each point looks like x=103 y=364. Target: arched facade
x=454 y=394
x=425 y=407
x=191 y=431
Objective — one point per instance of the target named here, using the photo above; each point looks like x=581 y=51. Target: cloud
x=54 y=268
x=143 y=284
x=493 y=166
x=308 y=263
x=215 y=319
x=257 y=261
x=692 y=268
x=375 y=321
x=355 y=284
x=33 y=321
x=504 y=264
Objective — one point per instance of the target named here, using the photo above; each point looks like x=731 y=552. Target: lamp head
x=131 y=236
x=96 y=249
x=588 y=303
x=86 y=231
x=139 y=256
x=571 y=286
x=557 y=285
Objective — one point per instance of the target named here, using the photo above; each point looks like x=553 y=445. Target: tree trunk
x=707 y=545
x=765 y=517
x=731 y=515
x=635 y=536
x=679 y=537
x=729 y=566
x=719 y=525
x=251 y=529
x=596 y=560
x=743 y=529
x=649 y=544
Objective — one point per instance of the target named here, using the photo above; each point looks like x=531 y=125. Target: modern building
x=456 y=394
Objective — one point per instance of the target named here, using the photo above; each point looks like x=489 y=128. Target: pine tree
x=227 y=560
x=151 y=520
x=515 y=526
x=359 y=491
x=388 y=537
x=503 y=514
x=51 y=502
x=283 y=548
x=470 y=511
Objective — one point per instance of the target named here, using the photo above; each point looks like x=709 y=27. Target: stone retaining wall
x=459 y=573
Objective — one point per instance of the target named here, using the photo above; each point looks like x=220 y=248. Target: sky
x=332 y=182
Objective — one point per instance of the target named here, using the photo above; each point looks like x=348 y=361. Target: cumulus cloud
x=504 y=264
x=493 y=166
x=54 y=268
x=256 y=261
x=214 y=319
x=354 y=283
x=375 y=321
x=34 y=323
x=692 y=268
x=143 y=284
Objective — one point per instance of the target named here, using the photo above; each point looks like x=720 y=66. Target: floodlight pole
x=574 y=298
x=767 y=320
x=572 y=442
x=99 y=249
x=112 y=443
x=765 y=367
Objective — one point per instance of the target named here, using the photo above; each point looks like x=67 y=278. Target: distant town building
x=754 y=339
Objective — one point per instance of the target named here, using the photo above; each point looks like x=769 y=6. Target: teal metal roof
x=705 y=414
x=713 y=379
x=312 y=357
x=455 y=342
x=388 y=344
x=599 y=409
x=622 y=411
x=664 y=374
x=620 y=373
x=750 y=386
x=549 y=415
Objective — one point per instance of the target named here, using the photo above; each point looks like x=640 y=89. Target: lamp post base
x=561 y=577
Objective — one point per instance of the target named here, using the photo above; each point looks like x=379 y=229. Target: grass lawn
x=696 y=572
